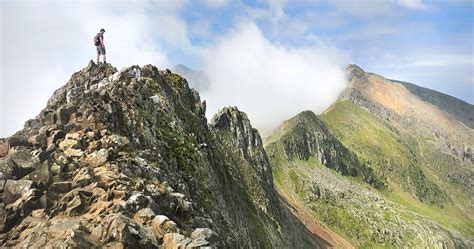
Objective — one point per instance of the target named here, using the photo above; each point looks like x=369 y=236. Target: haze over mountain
x=198 y=80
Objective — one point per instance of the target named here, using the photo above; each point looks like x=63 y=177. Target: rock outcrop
x=305 y=137
x=127 y=159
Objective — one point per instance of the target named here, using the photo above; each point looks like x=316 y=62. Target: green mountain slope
x=417 y=153
x=393 y=158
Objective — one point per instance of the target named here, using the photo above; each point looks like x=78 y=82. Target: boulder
x=16 y=141
x=42 y=176
x=4 y=148
x=73 y=152
x=114 y=141
x=77 y=201
x=47 y=199
x=175 y=240
x=33 y=123
x=54 y=137
x=119 y=228
x=144 y=216
x=60 y=187
x=8 y=168
x=205 y=233
x=61 y=233
x=64 y=113
x=47 y=117
x=39 y=140
x=162 y=225
x=199 y=243
x=82 y=177
x=2 y=185
x=180 y=205
x=13 y=190
x=22 y=206
x=136 y=202
x=98 y=158
x=55 y=169
x=20 y=162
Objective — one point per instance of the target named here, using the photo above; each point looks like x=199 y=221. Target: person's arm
x=101 y=38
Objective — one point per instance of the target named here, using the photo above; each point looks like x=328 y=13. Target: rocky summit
x=127 y=159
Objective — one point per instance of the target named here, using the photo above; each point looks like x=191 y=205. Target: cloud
x=268 y=81
x=43 y=43
x=413 y=4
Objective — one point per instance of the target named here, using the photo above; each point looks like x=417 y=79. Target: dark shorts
x=100 y=49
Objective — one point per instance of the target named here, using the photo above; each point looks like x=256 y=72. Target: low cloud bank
x=271 y=82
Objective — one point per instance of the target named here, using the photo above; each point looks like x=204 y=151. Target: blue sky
x=429 y=43
x=289 y=54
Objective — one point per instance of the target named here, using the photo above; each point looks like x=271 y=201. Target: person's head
x=102 y=30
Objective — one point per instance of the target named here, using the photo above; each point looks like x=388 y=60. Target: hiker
x=99 y=43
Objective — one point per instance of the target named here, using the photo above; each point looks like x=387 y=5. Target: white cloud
x=43 y=43
x=268 y=81
x=413 y=4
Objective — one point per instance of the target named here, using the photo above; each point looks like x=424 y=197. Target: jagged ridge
x=126 y=158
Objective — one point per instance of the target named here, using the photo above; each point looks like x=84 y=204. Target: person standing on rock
x=99 y=43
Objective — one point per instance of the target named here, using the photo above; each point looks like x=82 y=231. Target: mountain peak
x=197 y=79
x=130 y=152
x=354 y=67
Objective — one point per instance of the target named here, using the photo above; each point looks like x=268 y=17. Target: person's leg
x=98 y=54
x=103 y=53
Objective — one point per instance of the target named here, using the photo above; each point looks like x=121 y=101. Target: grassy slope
x=291 y=180
x=392 y=157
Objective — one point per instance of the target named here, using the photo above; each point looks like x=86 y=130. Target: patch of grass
x=292 y=179
x=408 y=163
x=382 y=149
x=154 y=165
x=454 y=219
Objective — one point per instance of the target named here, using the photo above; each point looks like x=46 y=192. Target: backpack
x=96 y=40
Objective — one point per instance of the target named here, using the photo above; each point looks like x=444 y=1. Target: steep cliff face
x=127 y=159
x=306 y=137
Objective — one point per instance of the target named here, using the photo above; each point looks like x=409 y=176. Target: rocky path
x=318 y=229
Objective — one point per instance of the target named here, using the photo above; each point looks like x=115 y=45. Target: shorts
x=100 y=49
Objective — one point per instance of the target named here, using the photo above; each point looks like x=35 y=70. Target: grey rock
x=205 y=233
x=119 y=228
x=13 y=190
x=60 y=187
